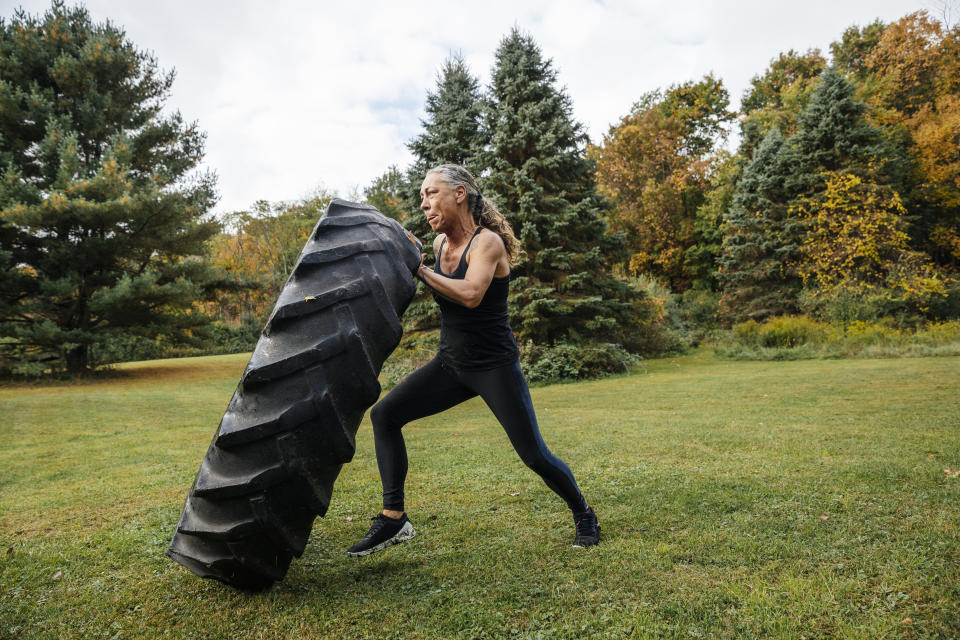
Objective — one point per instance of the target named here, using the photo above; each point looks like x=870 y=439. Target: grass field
x=809 y=499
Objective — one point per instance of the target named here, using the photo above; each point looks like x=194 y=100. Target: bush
x=213 y=339
x=701 y=310
x=664 y=326
x=782 y=331
x=565 y=361
x=912 y=302
x=840 y=306
x=795 y=337
x=416 y=349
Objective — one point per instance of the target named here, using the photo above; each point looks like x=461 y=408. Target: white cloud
x=295 y=94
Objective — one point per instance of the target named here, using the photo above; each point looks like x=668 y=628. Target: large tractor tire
x=291 y=423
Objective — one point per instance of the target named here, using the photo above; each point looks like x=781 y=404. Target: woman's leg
x=428 y=390
x=505 y=391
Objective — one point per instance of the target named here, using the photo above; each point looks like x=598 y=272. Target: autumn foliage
x=845 y=189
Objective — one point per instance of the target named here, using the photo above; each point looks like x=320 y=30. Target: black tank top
x=479 y=338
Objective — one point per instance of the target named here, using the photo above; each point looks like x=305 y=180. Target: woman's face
x=439 y=202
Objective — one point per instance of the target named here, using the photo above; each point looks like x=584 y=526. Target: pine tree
x=452 y=133
x=542 y=181
x=770 y=218
x=762 y=239
x=101 y=213
x=833 y=135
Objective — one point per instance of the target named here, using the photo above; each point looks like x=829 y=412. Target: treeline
x=572 y=314
x=842 y=202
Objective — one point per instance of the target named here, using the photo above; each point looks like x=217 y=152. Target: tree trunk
x=77 y=359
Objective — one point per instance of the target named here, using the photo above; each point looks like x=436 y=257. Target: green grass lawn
x=737 y=499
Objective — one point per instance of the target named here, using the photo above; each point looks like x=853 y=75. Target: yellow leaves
x=855 y=234
x=640 y=262
x=947 y=239
x=936 y=137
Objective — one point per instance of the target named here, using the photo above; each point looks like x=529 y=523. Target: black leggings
x=436 y=387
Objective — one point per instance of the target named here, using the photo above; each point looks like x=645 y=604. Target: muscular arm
x=487 y=251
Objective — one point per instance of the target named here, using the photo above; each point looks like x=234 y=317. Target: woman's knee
x=382 y=418
x=536 y=461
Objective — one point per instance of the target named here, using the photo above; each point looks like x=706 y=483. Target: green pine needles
x=102 y=211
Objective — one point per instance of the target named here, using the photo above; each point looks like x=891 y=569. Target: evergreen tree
x=542 y=181
x=762 y=240
x=777 y=97
x=771 y=216
x=101 y=213
x=452 y=132
x=834 y=135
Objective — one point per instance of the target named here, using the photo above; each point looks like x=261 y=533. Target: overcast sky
x=296 y=94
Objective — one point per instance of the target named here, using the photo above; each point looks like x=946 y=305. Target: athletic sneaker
x=588 y=529
x=384 y=532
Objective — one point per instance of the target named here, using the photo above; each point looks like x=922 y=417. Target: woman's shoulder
x=490 y=240
x=438 y=240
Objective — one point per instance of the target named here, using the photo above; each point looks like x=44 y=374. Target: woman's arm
x=487 y=251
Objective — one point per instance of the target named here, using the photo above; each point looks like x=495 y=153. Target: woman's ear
x=461 y=193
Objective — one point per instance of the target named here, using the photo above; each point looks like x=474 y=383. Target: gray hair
x=456 y=175
x=484 y=212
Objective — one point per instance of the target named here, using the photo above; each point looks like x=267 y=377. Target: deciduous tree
x=654 y=165
x=261 y=248
x=913 y=89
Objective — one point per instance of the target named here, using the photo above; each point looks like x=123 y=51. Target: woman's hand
x=487 y=252
x=418 y=245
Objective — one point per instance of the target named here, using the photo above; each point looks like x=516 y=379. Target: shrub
x=840 y=306
x=794 y=337
x=416 y=349
x=216 y=338
x=566 y=361
x=782 y=331
x=701 y=309
x=664 y=326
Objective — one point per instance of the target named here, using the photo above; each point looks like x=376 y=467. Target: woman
x=477 y=356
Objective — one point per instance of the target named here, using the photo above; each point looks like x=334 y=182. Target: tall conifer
x=762 y=240
x=765 y=228
x=101 y=212
x=542 y=181
x=833 y=135
x=452 y=132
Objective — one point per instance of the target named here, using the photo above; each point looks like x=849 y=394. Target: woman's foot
x=588 y=529
x=383 y=533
